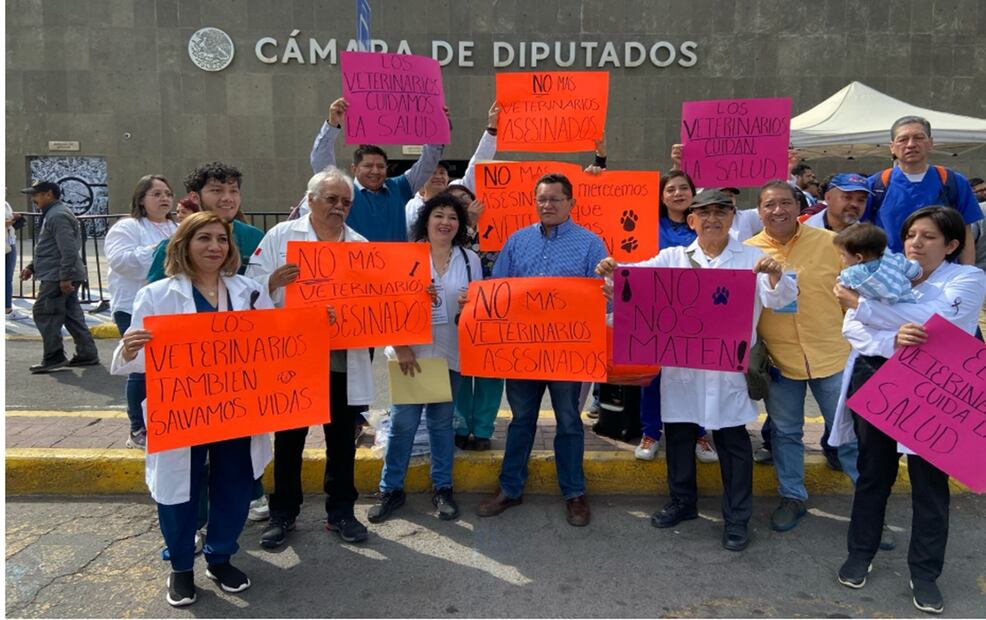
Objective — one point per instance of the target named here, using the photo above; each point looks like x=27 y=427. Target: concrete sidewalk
x=65 y=434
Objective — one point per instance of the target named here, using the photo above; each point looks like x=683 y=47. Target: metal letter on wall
x=83 y=184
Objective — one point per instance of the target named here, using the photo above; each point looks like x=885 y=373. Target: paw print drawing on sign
x=629 y=244
x=629 y=220
x=720 y=296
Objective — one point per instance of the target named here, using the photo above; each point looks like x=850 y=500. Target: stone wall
x=116 y=76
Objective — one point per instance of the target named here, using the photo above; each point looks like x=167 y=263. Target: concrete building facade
x=117 y=76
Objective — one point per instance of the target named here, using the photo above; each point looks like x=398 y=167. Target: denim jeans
x=786 y=408
x=404 y=420
x=10 y=261
x=524 y=397
x=136 y=390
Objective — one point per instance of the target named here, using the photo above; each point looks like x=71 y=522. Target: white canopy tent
x=855 y=122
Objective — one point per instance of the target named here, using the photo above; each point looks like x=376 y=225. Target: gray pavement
x=81 y=558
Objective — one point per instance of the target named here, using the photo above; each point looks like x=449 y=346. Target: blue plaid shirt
x=567 y=251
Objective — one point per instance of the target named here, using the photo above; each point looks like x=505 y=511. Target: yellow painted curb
x=105 y=330
x=65 y=471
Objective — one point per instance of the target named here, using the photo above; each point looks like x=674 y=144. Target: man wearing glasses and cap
x=58 y=266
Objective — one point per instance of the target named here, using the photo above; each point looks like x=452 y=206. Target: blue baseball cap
x=850 y=182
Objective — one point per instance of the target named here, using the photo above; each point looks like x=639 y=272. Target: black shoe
x=78 y=361
x=181 y=588
x=853 y=573
x=735 y=538
x=276 y=531
x=349 y=529
x=481 y=444
x=44 y=367
x=832 y=460
x=445 y=507
x=927 y=596
x=673 y=514
x=787 y=515
x=389 y=502
x=229 y=578
x=461 y=441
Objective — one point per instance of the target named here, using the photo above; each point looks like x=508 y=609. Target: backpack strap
x=465 y=257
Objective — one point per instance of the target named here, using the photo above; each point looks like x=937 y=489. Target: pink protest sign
x=686 y=318
x=393 y=99
x=932 y=399
x=735 y=142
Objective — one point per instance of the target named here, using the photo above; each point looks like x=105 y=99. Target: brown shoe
x=497 y=503
x=577 y=511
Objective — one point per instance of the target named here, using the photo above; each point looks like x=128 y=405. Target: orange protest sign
x=560 y=111
x=379 y=291
x=221 y=375
x=507 y=191
x=534 y=328
x=622 y=207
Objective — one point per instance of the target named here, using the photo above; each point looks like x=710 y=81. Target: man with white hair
x=329 y=195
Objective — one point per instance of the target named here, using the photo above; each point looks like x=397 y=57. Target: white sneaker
x=704 y=451
x=14 y=315
x=259 y=509
x=647 y=449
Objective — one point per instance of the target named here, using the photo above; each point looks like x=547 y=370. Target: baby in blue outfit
x=871 y=270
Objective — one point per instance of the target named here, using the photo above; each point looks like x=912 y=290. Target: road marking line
x=67 y=414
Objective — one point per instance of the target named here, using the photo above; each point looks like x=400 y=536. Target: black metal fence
x=94 y=290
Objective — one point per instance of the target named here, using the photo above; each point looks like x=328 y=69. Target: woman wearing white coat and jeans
x=329 y=197
x=717 y=401
x=442 y=223
x=201 y=263
x=130 y=246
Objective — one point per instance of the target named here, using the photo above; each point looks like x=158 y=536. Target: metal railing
x=94 y=289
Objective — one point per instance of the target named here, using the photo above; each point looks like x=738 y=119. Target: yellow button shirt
x=806 y=344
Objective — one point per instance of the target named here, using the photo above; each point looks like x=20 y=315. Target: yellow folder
x=431 y=385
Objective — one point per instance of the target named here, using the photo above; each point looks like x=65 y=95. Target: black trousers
x=52 y=309
x=340 y=453
x=735 y=466
x=878 y=460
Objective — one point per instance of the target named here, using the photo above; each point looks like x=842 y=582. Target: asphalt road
x=90 y=558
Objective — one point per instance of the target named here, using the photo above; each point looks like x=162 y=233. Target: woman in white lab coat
x=442 y=225
x=715 y=400
x=934 y=237
x=130 y=246
x=201 y=263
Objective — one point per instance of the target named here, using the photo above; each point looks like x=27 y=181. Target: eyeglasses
x=332 y=200
x=705 y=214
x=554 y=201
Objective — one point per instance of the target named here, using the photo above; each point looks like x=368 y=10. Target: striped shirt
x=886 y=279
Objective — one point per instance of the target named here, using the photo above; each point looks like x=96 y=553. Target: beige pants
x=982 y=319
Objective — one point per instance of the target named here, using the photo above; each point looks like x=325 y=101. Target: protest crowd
x=816 y=288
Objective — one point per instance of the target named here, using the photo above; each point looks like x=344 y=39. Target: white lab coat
x=130 y=247
x=168 y=473
x=271 y=254
x=746 y=224
x=954 y=291
x=710 y=398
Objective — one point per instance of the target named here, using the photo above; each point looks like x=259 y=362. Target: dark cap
x=709 y=197
x=731 y=190
x=850 y=182
x=39 y=187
